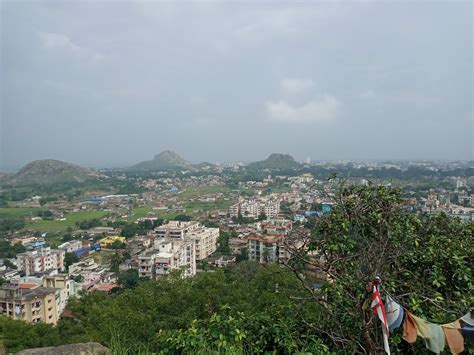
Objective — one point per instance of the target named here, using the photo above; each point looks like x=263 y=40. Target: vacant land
x=17 y=212
x=71 y=219
x=200 y=191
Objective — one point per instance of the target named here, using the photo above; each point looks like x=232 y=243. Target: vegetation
x=424 y=261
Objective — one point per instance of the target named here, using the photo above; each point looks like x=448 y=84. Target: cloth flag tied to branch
x=378 y=308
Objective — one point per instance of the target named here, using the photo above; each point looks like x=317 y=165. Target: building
x=31 y=305
x=264 y=248
x=71 y=246
x=205 y=239
x=67 y=288
x=108 y=241
x=270 y=206
x=168 y=255
x=275 y=226
x=41 y=260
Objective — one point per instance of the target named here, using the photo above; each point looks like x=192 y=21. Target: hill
x=275 y=161
x=49 y=171
x=166 y=160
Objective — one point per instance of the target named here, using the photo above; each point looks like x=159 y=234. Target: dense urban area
x=204 y=245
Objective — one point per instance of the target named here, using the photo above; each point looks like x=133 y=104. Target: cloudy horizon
x=107 y=84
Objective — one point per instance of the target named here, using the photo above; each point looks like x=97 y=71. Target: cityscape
x=236 y=177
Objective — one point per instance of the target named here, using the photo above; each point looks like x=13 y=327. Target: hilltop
x=275 y=161
x=166 y=160
x=50 y=171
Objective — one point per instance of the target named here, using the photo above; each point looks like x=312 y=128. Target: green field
x=58 y=226
x=207 y=206
x=17 y=212
x=198 y=191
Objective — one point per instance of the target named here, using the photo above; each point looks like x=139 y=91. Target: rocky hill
x=166 y=160
x=49 y=171
x=275 y=161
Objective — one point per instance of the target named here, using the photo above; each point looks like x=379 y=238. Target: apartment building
x=31 y=305
x=264 y=248
x=205 y=239
x=67 y=288
x=176 y=229
x=168 y=255
x=255 y=207
x=41 y=260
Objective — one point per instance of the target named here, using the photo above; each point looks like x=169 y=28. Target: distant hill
x=166 y=160
x=275 y=161
x=49 y=171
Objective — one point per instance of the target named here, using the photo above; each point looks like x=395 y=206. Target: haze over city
x=104 y=86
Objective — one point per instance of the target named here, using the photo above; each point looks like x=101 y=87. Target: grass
x=59 y=226
x=207 y=206
x=17 y=212
x=198 y=191
x=103 y=257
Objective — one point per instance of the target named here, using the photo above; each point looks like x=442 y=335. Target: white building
x=71 y=246
x=255 y=207
x=205 y=239
x=168 y=255
x=41 y=260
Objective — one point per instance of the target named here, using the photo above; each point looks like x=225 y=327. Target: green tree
x=69 y=259
x=262 y=217
x=182 y=217
x=128 y=278
x=425 y=261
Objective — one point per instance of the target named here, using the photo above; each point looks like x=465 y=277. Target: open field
x=207 y=206
x=198 y=191
x=17 y=212
x=71 y=219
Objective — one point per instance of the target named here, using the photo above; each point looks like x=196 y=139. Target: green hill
x=166 y=160
x=49 y=171
x=275 y=161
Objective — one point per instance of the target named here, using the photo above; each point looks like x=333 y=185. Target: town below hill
x=263 y=257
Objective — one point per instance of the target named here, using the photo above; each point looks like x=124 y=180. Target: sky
x=111 y=83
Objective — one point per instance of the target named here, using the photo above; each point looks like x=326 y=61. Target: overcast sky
x=111 y=83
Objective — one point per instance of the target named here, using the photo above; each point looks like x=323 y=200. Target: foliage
x=182 y=217
x=128 y=278
x=424 y=261
x=69 y=259
x=10 y=251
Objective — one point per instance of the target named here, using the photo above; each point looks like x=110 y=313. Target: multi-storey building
x=31 y=305
x=270 y=206
x=205 y=239
x=41 y=260
x=67 y=288
x=264 y=248
x=176 y=229
x=168 y=255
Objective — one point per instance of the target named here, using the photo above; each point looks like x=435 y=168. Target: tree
x=425 y=261
x=115 y=262
x=128 y=278
x=243 y=256
x=9 y=264
x=182 y=217
x=129 y=230
x=262 y=217
x=69 y=259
